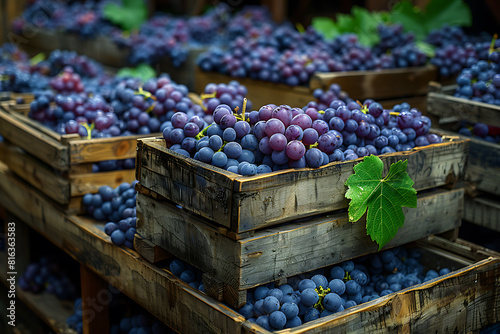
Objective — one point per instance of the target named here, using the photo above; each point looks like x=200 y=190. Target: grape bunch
x=480 y=82
x=187 y=273
x=67 y=82
x=47 y=275
x=118 y=208
x=109 y=165
x=323 y=292
x=280 y=137
x=481 y=131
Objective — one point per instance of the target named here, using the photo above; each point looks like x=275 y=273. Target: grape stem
x=89 y=129
x=492 y=44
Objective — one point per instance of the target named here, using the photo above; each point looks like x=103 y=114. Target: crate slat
x=483 y=168
x=380 y=84
x=247 y=203
x=484 y=211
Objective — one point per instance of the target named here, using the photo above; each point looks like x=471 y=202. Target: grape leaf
x=325 y=26
x=130 y=15
x=383 y=198
x=142 y=71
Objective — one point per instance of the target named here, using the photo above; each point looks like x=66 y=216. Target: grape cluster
x=481 y=131
x=481 y=81
x=187 y=273
x=323 y=292
x=117 y=207
x=75 y=320
x=231 y=94
x=67 y=82
x=47 y=275
x=280 y=137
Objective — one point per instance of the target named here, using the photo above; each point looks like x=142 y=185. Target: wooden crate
x=483 y=165
x=242 y=203
x=61 y=165
x=234 y=263
x=442 y=105
x=390 y=87
x=463 y=301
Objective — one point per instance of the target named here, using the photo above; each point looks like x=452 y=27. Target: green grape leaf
x=453 y=12
x=433 y=16
x=325 y=26
x=130 y=15
x=383 y=198
x=426 y=48
x=142 y=71
x=38 y=58
x=411 y=17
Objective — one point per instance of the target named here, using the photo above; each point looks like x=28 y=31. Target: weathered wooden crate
x=234 y=262
x=483 y=165
x=390 y=87
x=463 y=301
x=242 y=203
x=61 y=165
x=442 y=105
x=23 y=108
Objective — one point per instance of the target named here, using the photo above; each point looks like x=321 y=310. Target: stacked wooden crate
x=482 y=203
x=389 y=87
x=247 y=231
x=61 y=165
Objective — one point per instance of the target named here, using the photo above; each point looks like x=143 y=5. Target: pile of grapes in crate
x=323 y=292
x=280 y=137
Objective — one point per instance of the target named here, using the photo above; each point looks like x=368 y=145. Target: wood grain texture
x=442 y=105
x=38 y=174
x=259 y=92
x=483 y=167
x=285 y=250
x=483 y=210
x=247 y=203
x=150 y=251
x=380 y=84
x=82 y=184
x=94 y=305
x=38 y=144
x=157 y=290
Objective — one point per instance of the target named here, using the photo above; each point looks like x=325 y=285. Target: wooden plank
x=443 y=105
x=34 y=142
x=94 y=304
x=37 y=173
x=380 y=84
x=150 y=251
x=464 y=301
x=247 y=203
x=94 y=150
x=259 y=92
x=157 y=290
x=284 y=250
x=484 y=211
x=82 y=184
x=483 y=167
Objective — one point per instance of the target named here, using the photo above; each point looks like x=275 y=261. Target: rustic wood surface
x=157 y=290
x=284 y=250
x=443 y=104
x=247 y=203
x=483 y=168
x=483 y=210
x=381 y=84
x=259 y=92
x=95 y=301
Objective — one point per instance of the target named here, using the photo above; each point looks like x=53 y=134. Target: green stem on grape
x=144 y=93
x=4 y=77
x=300 y=27
x=222 y=147
x=492 y=44
x=202 y=133
x=321 y=293
x=321 y=111
x=313 y=145
x=208 y=96
x=244 y=108
x=151 y=107
x=89 y=129
x=394 y=113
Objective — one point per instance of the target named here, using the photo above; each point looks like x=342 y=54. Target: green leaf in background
x=325 y=26
x=366 y=23
x=426 y=48
x=451 y=12
x=129 y=16
x=410 y=17
x=142 y=71
x=382 y=197
x=434 y=15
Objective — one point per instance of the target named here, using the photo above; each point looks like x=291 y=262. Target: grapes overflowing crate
x=242 y=204
x=61 y=165
x=483 y=165
x=388 y=86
